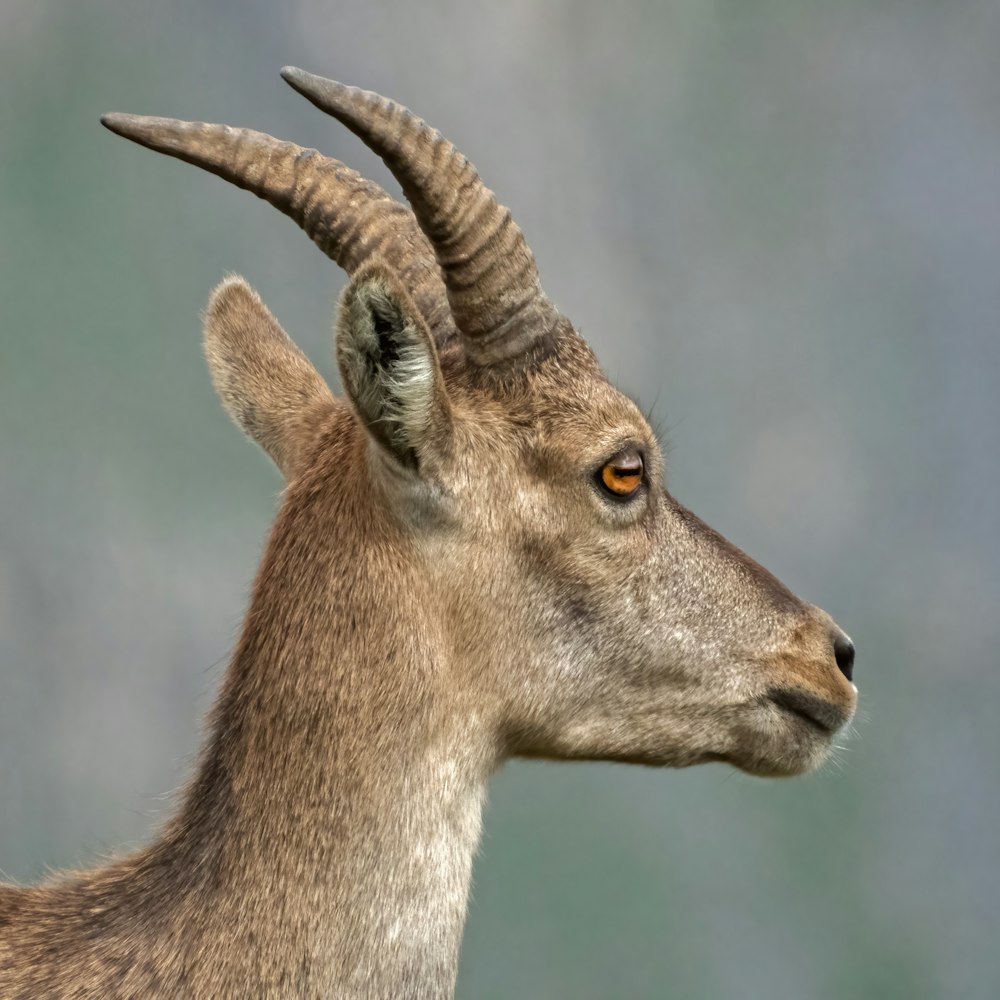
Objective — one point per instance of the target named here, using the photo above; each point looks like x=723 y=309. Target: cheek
x=585 y=599
x=641 y=621
x=608 y=625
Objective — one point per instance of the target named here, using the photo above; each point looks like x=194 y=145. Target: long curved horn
x=350 y=219
x=489 y=270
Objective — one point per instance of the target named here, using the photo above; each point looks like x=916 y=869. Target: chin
x=783 y=752
x=786 y=766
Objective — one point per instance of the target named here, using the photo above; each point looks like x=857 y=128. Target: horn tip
x=308 y=84
x=293 y=75
x=152 y=132
x=115 y=121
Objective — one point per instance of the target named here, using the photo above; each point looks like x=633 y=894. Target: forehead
x=562 y=406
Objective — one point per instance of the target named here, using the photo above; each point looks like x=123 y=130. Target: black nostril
x=843 y=651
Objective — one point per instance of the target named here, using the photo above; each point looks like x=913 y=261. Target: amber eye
x=622 y=476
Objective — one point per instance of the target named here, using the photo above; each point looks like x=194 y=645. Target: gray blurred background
x=779 y=224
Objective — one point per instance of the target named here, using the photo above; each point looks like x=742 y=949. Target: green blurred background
x=778 y=223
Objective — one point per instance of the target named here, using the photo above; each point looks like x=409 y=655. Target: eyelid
x=629 y=459
x=627 y=450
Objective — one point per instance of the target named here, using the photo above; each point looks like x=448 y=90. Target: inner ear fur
x=390 y=369
x=269 y=387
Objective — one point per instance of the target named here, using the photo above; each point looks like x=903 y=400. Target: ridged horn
x=489 y=270
x=350 y=218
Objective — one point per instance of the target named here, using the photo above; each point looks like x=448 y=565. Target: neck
x=327 y=842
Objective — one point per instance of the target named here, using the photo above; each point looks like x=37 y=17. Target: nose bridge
x=726 y=567
x=803 y=644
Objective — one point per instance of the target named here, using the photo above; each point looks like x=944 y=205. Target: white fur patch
x=387 y=363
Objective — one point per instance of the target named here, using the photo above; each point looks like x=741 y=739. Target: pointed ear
x=266 y=383
x=389 y=367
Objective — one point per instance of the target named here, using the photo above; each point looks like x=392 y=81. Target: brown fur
x=445 y=586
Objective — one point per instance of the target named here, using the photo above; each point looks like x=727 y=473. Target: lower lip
x=814 y=723
x=824 y=718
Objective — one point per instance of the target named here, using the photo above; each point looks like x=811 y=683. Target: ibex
x=475 y=558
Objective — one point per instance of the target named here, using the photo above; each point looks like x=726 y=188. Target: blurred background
x=778 y=223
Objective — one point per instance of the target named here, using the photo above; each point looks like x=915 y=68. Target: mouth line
x=820 y=714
